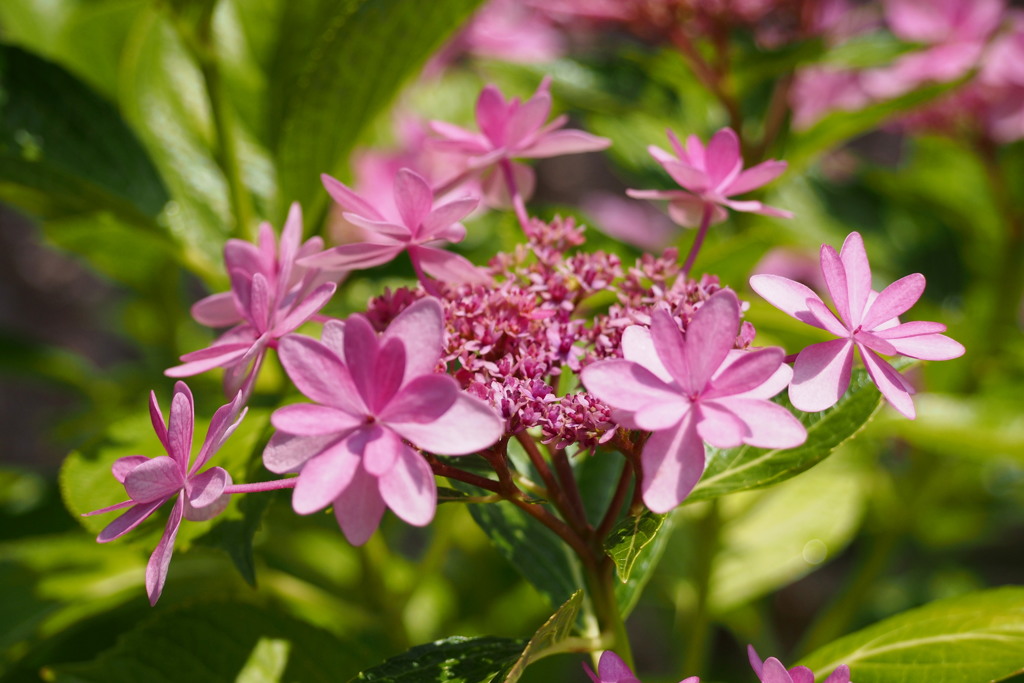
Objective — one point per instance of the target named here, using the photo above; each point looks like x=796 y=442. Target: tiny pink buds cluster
x=151 y=482
x=372 y=395
x=694 y=388
x=271 y=295
x=866 y=320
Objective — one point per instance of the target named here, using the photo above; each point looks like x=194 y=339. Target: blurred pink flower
x=372 y=394
x=415 y=226
x=820 y=90
x=694 y=388
x=611 y=669
x=511 y=129
x=636 y=223
x=271 y=295
x=151 y=482
x=867 y=321
x=709 y=177
x=773 y=671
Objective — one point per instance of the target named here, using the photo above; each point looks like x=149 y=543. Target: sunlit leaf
x=453 y=660
x=629 y=538
x=551 y=638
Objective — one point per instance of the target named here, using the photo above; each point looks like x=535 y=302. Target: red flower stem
x=443 y=470
x=702 y=231
x=260 y=486
x=513 y=191
x=560 y=528
x=615 y=506
x=555 y=491
x=572 y=492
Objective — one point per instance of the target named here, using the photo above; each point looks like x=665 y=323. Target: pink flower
x=372 y=395
x=710 y=176
x=867 y=320
x=694 y=388
x=611 y=669
x=772 y=671
x=417 y=228
x=511 y=129
x=271 y=295
x=151 y=482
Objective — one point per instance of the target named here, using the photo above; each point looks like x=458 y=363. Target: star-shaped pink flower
x=694 y=388
x=867 y=321
x=510 y=129
x=418 y=228
x=710 y=176
x=373 y=394
x=271 y=295
x=773 y=671
x=611 y=669
x=151 y=482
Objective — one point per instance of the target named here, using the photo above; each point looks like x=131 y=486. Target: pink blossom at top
x=687 y=389
x=271 y=295
x=151 y=482
x=510 y=129
x=417 y=228
x=372 y=394
x=773 y=671
x=709 y=177
x=867 y=321
x=611 y=669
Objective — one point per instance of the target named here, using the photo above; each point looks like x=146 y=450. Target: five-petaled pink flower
x=709 y=176
x=694 y=388
x=510 y=129
x=773 y=671
x=151 y=482
x=271 y=295
x=867 y=321
x=611 y=669
x=418 y=228
x=372 y=395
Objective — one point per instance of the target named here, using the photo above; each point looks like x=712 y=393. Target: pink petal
x=858 y=276
x=755 y=661
x=909 y=329
x=349 y=200
x=381 y=232
x=326 y=475
x=625 y=385
x=291 y=237
x=160 y=560
x=821 y=375
x=180 y=424
x=446 y=266
x=333 y=336
x=356 y=256
x=442 y=217
x=157 y=418
x=757 y=207
x=204 y=489
x=457 y=134
x=311 y=419
x=661 y=194
x=673 y=461
x=157 y=478
x=359 y=508
x=525 y=120
x=217 y=310
x=361 y=347
x=835 y=280
x=286 y=453
x=454 y=233
x=420 y=327
x=826 y=318
x=694 y=151
x=889 y=382
x=689 y=211
x=243 y=257
x=668 y=344
x=693 y=179
x=218 y=355
x=129 y=520
x=388 y=372
x=709 y=338
x=768 y=425
x=222 y=426
x=840 y=675
x=496 y=193
x=559 y=142
x=122 y=466
x=409 y=488
x=722 y=157
x=637 y=346
x=319 y=374
x=423 y=400
x=718 y=426
x=469 y=425
x=491 y=115
x=413 y=197
x=894 y=300
x=774 y=672
x=662 y=414
x=775 y=383
x=304 y=310
x=786 y=295
x=260 y=303
x=875 y=343
x=747 y=372
x=381 y=450
x=755 y=177
x=928 y=347
x=801 y=674
x=612 y=668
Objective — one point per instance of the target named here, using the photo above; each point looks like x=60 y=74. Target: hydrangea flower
x=271 y=295
x=867 y=321
x=510 y=129
x=151 y=482
x=694 y=388
x=611 y=669
x=417 y=229
x=372 y=395
x=773 y=671
x=709 y=176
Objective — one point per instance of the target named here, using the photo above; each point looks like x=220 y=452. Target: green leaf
x=65 y=150
x=629 y=538
x=747 y=467
x=216 y=642
x=350 y=62
x=551 y=638
x=974 y=637
x=453 y=660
